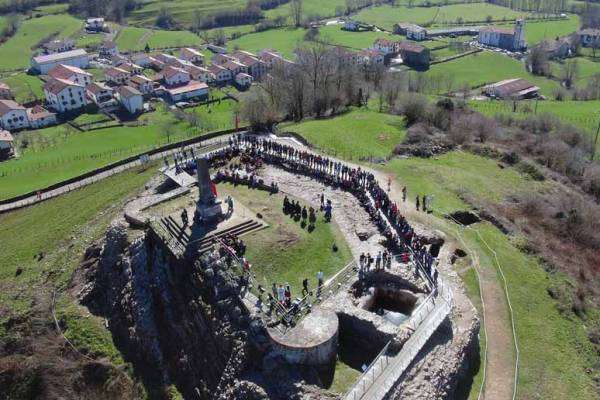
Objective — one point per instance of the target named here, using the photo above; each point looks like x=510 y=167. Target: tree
x=257 y=109
x=296 y=12
x=165 y=19
x=537 y=61
x=569 y=72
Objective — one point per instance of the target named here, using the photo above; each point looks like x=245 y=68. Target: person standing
x=404 y=192
x=418 y=203
x=305 y=287
x=319 y=279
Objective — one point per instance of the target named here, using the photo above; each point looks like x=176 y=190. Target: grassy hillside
x=135 y=39
x=57 y=153
x=24 y=87
x=16 y=52
x=386 y=16
x=488 y=67
x=358 y=133
x=182 y=10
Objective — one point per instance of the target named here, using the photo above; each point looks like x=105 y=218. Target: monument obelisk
x=208 y=207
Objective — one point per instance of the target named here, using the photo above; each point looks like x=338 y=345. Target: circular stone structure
x=312 y=342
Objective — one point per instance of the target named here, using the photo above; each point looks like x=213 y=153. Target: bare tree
x=569 y=72
x=296 y=11
x=537 y=61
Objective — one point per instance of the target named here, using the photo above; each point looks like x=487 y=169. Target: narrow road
x=102 y=175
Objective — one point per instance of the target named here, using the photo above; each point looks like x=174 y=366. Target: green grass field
x=586 y=68
x=356 y=134
x=310 y=8
x=536 y=31
x=182 y=10
x=61 y=229
x=285 y=252
x=16 y=52
x=135 y=39
x=24 y=87
x=57 y=153
x=488 y=67
x=386 y=16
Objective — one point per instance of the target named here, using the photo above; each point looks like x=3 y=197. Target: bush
x=531 y=170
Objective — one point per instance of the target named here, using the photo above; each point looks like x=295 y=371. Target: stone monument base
x=210 y=213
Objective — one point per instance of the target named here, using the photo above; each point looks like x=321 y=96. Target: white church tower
x=519 y=36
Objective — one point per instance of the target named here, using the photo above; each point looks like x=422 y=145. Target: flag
x=213 y=188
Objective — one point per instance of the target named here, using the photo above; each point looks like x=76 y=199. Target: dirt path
x=500 y=349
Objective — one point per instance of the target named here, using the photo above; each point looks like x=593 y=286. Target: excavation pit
x=394 y=305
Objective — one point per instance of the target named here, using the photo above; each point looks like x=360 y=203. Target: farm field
x=386 y=16
x=356 y=134
x=586 y=68
x=135 y=39
x=182 y=10
x=310 y=8
x=24 y=87
x=58 y=153
x=16 y=52
x=488 y=67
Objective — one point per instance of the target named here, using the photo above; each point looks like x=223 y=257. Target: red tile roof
x=5 y=136
x=66 y=71
x=56 y=86
x=9 y=105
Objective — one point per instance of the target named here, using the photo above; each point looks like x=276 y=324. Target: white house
x=70 y=73
x=58 y=46
x=12 y=115
x=131 y=68
x=7 y=148
x=39 y=117
x=198 y=73
x=142 y=59
x=416 y=32
x=76 y=58
x=191 y=55
x=95 y=24
x=63 y=95
x=386 y=46
x=116 y=75
x=99 y=93
x=243 y=80
x=142 y=83
x=220 y=75
x=174 y=76
x=5 y=92
x=108 y=49
x=193 y=90
x=351 y=25
x=589 y=37
x=370 y=57
x=131 y=99
x=235 y=67
x=254 y=66
x=270 y=57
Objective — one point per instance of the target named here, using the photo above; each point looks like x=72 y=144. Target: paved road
x=102 y=175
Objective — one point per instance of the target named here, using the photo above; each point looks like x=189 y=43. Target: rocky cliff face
x=176 y=322
x=181 y=322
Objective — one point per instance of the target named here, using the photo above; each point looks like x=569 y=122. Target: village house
x=95 y=24
x=589 y=37
x=63 y=95
x=235 y=67
x=414 y=55
x=270 y=57
x=216 y=49
x=39 y=117
x=72 y=74
x=191 y=55
x=118 y=59
x=386 y=46
x=254 y=66
x=507 y=39
x=131 y=99
x=132 y=69
x=370 y=57
x=516 y=88
x=143 y=84
x=5 y=92
x=99 y=93
x=75 y=58
x=58 y=46
x=168 y=59
x=198 y=73
x=141 y=59
x=401 y=28
x=116 y=75
x=173 y=76
x=221 y=59
x=416 y=32
x=192 y=90
x=243 y=80
x=351 y=25
x=220 y=75
x=108 y=49
x=557 y=48
x=7 y=147
x=13 y=116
